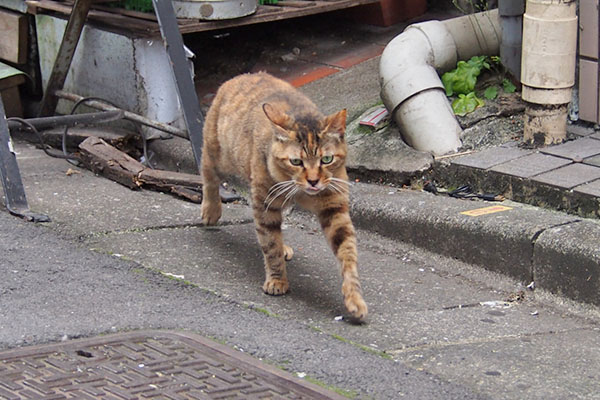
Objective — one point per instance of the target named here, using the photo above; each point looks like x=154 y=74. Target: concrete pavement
x=450 y=312
x=114 y=260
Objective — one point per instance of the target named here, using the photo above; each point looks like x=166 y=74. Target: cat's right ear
x=279 y=118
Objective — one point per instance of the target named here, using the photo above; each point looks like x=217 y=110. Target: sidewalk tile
x=490 y=157
x=592 y=188
x=530 y=165
x=580 y=131
x=570 y=176
x=595 y=135
x=356 y=57
x=311 y=76
x=595 y=161
x=576 y=149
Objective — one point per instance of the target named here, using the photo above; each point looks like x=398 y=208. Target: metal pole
x=183 y=80
x=14 y=193
x=64 y=56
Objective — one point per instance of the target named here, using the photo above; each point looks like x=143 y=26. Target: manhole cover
x=145 y=365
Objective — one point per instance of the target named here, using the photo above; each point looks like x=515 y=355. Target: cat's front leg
x=268 y=230
x=337 y=226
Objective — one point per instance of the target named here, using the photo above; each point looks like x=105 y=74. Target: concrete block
x=501 y=242
x=566 y=261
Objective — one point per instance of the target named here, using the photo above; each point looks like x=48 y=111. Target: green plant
x=463 y=78
x=461 y=82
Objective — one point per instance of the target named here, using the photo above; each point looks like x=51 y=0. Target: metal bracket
x=186 y=90
x=14 y=193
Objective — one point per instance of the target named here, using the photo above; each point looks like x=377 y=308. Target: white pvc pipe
x=410 y=85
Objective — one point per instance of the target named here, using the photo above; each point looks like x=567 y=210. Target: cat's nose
x=312 y=183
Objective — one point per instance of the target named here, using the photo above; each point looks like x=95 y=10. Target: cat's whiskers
x=339 y=185
x=277 y=190
x=290 y=195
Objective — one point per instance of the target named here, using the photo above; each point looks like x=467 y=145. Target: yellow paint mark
x=485 y=210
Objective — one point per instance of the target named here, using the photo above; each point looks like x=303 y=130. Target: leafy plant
x=462 y=80
x=508 y=86
x=466 y=103
x=491 y=92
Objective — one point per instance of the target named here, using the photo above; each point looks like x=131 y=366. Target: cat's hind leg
x=288 y=252
x=211 y=200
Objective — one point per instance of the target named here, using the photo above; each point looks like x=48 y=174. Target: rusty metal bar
x=99 y=105
x=70 y=120
x=64 y=56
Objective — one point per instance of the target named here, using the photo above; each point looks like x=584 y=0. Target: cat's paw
x=356 y=306
x=276 y=287
x=211 y=212
x=288 y=252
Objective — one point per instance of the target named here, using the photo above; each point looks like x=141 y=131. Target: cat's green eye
x=296 y=162
x=326 y=159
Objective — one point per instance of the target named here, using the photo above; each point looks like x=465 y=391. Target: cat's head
x=309 y=149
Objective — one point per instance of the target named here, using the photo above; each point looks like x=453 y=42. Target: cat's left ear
x=336 y=123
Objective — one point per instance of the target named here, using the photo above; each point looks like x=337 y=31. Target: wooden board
x=134 y=23
x=13 y=37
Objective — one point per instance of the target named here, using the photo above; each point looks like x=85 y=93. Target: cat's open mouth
x=312 y=190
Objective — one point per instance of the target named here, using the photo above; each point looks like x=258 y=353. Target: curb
x=556 y=251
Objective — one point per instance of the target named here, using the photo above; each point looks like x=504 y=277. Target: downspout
x=410 y=85
x=548 y=68
x=511 y=22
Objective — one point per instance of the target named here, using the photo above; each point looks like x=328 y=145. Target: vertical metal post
x=183 y=80
x=14 y=193
x=65 y=56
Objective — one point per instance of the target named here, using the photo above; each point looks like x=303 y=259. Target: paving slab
x=575 y=149
x=504 y=367
x=594 y=160
x=150 y=364
x=592 y=188
x=490 y=157
x=530 y=165
x=580 y=130
x=569 y=176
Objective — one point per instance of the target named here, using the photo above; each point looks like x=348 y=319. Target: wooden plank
x=167 y=179
x=108 y=161
x=295 y=3
x=104 y=159
x=265 y=13
x=13 y=31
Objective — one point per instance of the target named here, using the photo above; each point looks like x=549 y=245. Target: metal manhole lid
x=145 y=365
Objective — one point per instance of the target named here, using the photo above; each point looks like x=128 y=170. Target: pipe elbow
x=408 y=63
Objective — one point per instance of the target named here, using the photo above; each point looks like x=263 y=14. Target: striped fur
x=263 y=130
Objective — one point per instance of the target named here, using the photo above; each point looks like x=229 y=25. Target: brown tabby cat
x=263 y=130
